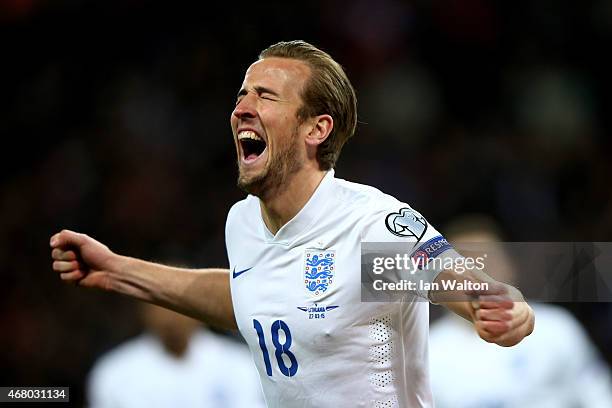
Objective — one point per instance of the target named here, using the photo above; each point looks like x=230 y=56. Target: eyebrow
x=259 y=90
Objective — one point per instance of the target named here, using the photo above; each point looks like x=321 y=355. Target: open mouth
x=252 y=145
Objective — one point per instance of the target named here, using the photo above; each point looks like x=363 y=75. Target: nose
x=245 y=108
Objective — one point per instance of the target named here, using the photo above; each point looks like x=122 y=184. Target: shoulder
x=349 y=189
x=241 y=215
x=363 y=200
x=553 y=321
x=382 y=217
x=132 y=349
x=109 y=366
x=242 y=208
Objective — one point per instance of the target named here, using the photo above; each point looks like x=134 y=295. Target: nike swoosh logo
x=236 y=274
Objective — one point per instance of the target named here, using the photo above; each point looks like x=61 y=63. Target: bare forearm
x=201 y=293
x=462 y=309
x=455 y=301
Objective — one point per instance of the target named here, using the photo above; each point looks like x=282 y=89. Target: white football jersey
x=297 y=301
x=140 y=373
x=556 y=366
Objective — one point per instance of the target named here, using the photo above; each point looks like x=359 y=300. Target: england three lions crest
x=319 y=270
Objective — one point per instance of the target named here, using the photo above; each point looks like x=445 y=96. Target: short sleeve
x=398 y=229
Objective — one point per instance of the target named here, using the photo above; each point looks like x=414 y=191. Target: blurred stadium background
x=115 y=122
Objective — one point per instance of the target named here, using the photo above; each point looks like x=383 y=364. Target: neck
x=281 y=205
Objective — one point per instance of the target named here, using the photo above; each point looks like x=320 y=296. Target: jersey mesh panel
x=391 y=403
x=381 y=352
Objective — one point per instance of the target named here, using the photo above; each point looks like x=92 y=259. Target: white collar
x=304 y=219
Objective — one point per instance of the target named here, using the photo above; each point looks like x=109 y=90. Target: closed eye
x=265 y=93
x=262 y=92
x=268 y=98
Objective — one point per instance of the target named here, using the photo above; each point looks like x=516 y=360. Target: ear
x=322 y=126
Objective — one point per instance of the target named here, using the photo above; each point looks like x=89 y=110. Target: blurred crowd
x=115 y=122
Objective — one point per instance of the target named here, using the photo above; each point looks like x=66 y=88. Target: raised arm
x=499 y=313
x=201 y=293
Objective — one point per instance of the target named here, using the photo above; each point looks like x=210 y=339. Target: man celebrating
x=293 y=288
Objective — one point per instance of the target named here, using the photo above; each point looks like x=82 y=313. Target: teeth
x=248 y=134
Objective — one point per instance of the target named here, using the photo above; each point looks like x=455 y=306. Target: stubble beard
x=278 y=172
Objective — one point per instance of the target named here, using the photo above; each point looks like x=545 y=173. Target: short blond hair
x=327 y=91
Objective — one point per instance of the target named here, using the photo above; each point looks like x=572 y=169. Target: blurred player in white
x=294 y=251
x=174 y=363
x=556 y=367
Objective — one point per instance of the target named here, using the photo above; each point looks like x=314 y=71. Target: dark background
x=115 y=122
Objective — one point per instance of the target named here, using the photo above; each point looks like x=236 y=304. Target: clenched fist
x=82 y=260
x=499 y=319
